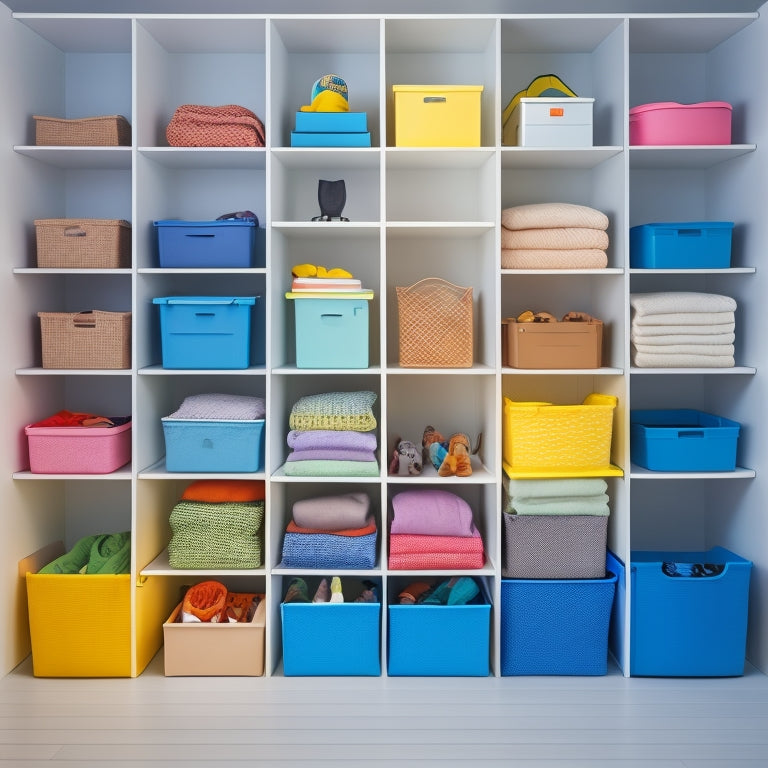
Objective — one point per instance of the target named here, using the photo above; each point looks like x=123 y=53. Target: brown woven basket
x=92 y=339
x=83 y=243
x=102 y=131
x=435 y=324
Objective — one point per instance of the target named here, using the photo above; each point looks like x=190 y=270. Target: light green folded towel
x=579 y=505
x=331 y=468
x=548 y=488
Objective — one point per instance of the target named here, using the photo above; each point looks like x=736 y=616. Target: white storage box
x=550 y=122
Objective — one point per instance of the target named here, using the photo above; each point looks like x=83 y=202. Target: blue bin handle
x=691 y=433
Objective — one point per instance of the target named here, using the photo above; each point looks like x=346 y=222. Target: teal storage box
x=331 y=122
x=681 y=245
x=440 y=640
x=556 y=627
x=205 y=332
x=683 y=440
x=231 y=243
x=331 y=638
x=688 y=613
x=330 y=139
x=331 y=332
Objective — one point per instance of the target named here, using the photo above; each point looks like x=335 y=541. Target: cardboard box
x=572 y=344
x=550 y=122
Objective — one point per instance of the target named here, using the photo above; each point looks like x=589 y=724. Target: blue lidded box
x=331 y=122
x=681 y=245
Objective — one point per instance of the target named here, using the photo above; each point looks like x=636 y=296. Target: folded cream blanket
x=673 y=339
x=649 y=332
x=692 y=319
x=645 y=360
x=580 y=258
x=686 y=349
x=550 y=215
x=667 y=302
x=558 y=238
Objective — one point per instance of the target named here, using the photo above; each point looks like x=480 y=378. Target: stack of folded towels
x=555 y=528
x=433 y=529
x=553 y=236
x=682 y=329
x=331 y=532
x=333 y=435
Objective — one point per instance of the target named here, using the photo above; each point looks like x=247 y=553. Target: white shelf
x=161 y=566
x=535 y=158
x=640 y=473
x=80 y=158
x=696 y=157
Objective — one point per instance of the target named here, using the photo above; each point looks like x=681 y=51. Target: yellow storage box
x=437 y=115
x=79 y=624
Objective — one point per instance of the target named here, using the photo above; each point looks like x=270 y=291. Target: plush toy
x=406 y=459
x=457 y=461
x=434 y=446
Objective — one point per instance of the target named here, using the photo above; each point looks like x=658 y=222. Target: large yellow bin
x=437 y=115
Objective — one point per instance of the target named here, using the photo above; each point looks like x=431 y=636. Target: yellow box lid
x=434 y=88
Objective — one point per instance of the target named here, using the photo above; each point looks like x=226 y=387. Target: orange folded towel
x=366 y=530
x=215 y=491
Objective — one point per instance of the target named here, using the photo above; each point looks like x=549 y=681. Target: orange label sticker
x=556 y=111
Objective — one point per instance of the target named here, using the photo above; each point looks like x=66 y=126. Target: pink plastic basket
x=667 y=122
x=78 y=450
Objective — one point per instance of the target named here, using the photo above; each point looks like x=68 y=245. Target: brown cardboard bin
x=215 y=649
x=565 y=344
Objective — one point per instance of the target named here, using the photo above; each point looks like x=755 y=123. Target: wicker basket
x=83 y=243
x=92 y=339
x=102 y=131
x=435 y=325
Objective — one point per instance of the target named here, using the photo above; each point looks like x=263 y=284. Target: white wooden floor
x=531 y=722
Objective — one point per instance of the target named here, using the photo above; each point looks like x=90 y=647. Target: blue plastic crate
x=683 y=440
x=688 y=626
x=331 y=638
x=212 y=244
x=213 y=446
x=205 y=332
x=556 y=627
x=681 y=245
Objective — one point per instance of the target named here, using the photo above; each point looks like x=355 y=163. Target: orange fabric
x=239 y=605
x=206 y=600
x=214 y=491
x=365 y=531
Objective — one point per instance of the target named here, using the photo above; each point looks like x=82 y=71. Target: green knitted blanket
x=335 y=410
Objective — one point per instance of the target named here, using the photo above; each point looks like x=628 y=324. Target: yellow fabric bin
x=437 y=115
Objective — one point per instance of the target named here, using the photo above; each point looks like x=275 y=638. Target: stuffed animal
x=406 y=458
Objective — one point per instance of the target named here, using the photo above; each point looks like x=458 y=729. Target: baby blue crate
x=681 y=245
x=205 y=332
x=683 y=440
x=193 y=445
x=331 y=639
x=688 y=626
x=556 y=627
x=442 y=640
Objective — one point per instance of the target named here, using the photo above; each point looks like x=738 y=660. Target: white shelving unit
x=413 y=213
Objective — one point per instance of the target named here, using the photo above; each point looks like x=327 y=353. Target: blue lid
x=218 y=300
x=215 y=223
x=688 y=225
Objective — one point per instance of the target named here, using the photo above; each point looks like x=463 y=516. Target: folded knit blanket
x=550 y=215
x=331 y=454
x=667 y=302
x=555 y=487
x=689 y=320
x=332 y=513
x=578 y=505
x=431 y=512
x=440 y=552
x=220 y=406
x=224 y=490
x=672 y=339
x=660 y=360
x=328 y=438
x=334 y=411
x=559 y=238
x=580 y=258
x=329 y=468
x=686 y=349
x=328 y=550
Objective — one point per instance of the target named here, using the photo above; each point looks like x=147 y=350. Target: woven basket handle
x=84 y=319
x=432 y=283
x=76 y=231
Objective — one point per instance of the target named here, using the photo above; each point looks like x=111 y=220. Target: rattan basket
x=435 y=324
x=91 y=339
x=83 y=243
x=101 y=131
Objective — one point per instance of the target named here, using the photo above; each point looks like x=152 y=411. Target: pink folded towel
x=432 y=512
x=409 y=544
x=580 y=258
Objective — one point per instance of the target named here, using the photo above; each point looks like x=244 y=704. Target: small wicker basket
x=436 y=319
x=83 y=243
x=87 y=340
x=101 y=131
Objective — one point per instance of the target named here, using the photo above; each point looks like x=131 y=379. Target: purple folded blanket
x=431 y=512
x=331 y=454
x=328 y=438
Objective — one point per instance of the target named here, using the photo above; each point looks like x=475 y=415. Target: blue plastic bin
x=331 y=638
x=556 y=627
x=205 y=332
x=212 y=244
x=683 y=440
x=688 y=626
x=681 y=245
x=442 y=640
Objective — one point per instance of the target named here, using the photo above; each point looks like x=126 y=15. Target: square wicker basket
x=87 y=340
x=101 y=131
x=83 y=243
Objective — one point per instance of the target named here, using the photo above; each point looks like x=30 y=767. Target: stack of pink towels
x=433 y=529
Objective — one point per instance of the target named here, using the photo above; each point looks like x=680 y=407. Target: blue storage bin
x=618 y=624
x=331 y=638
x=332 y=332
x=443 y=640
x=330 y=139
x=331 y=122
x=683 y=440
x=681 y=245
x=556 y=627
x=212 y=244
x=688 y=626
x=193 y=445
x=205 y=332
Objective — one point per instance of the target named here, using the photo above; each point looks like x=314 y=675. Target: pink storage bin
x=667 y=122
x=78 y=450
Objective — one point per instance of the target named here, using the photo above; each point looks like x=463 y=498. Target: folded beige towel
x=642 y=331
x=673 y=339
x=667 y=302
x=717 y=350
x=558 y=238
x=645 y=360
x=580 y=258
x=551 y=215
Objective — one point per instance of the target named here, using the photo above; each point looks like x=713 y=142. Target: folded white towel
x=673 y=339
x=645 y=360
x=557 y=238
x=686 y=349
x=549 y=215
x=666 y=302
x=652 y=331
x=694 y=319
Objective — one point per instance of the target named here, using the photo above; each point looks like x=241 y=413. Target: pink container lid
x=675 y=105
x=34 y=431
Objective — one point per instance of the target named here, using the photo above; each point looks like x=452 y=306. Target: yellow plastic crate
x=437 y=115
x=545 y=440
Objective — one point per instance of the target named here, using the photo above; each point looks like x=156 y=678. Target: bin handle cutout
x=691 y=433
x=434 y=99
x=692 y=570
